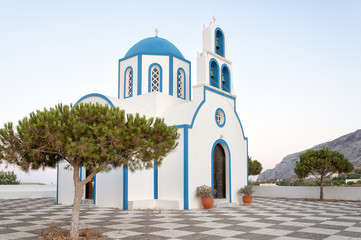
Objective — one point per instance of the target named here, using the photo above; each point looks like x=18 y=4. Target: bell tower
x=213 y=67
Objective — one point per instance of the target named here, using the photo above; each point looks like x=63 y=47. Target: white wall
x=163 y=61
x=177 y=63
x=334 y=193
x=170 y=174
x=200 y=147
x=27 y=191
x=65 y=184
x=109 y=188
x=130 y=62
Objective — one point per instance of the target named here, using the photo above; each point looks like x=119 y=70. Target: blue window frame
x=181 y=83
x=213 y=73
x=220 y=117
x=226 y=78
x=219 y=42
x=128 y=82
x=155 y=78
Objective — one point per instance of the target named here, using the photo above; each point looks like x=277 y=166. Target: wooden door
x=219 y=171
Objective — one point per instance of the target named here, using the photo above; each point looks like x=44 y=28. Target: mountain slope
x=349 y=145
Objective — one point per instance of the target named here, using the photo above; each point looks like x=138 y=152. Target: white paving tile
x=325 y=231
x=270 y=231
x=172 y=233
x=169 y=225
x=353 y=229
x=222 y=232
x=255 y=224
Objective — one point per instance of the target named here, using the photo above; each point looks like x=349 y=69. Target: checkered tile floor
x=279 y=219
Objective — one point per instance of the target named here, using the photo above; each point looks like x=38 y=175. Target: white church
x=154 y=79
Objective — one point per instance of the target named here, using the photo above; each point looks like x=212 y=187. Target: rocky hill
x=349 y=145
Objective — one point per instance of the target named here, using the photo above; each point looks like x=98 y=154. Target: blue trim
x=151 y=54
x=139 y=87
x=184 y=83
x=118 y=79
x=155 y=179
x=57 y=183
x=221 y=42
x=125 y=187
x=81 y=174
x=126 y=80
x=95 y=188
x=95 y=95
x=150 y=77
x=171 y=76
x=226 y=85
x=190 y=82
x=224 y=117
x=229 y=166
x=186 y=169
x=247 y=162
x=215 y=81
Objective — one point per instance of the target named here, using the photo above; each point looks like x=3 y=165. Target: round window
x=220 y=117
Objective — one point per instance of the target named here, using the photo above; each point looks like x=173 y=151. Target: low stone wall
x=27 y=191
x=330 y=193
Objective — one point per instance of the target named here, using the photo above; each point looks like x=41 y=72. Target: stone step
x=220 y=203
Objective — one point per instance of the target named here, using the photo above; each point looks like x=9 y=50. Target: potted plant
x=247 y=191
x=206 y=194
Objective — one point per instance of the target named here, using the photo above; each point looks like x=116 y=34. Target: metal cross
x=156 y=32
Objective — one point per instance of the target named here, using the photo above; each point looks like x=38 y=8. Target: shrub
x=8 y=178
x=205 y=191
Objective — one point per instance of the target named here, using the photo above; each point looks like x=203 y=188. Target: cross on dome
x=156 y=32
x=214 y=19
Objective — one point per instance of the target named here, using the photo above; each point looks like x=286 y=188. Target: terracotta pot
x=247 y=200
x=207 y=202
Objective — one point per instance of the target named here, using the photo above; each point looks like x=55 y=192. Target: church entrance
x=89 y=187
x=219 y=171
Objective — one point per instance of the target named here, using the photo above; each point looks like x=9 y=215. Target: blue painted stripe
x=190 y=82
x=155 y=179
x=95 y=95
x=81 y=174
x=171 y=76
x=186 y=184
x=125 y=187
x=57 y=183
x=118 y=79
x=95 y=189
x=139 y=87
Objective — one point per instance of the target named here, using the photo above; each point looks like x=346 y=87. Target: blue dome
x=154 y=46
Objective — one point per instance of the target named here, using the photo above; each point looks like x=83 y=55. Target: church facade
x=154 y=79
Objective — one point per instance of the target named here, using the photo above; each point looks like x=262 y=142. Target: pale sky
x=296 y=64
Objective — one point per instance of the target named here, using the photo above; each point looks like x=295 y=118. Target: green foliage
x=91 y=135
x=246 y=190
x=8 y=178
x=205 y=191
x=254 y=167
x=322 y=163
x=97 y=137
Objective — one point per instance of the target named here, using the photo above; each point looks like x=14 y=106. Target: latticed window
x=181 y=84
x=155 y=79
x=129 y=77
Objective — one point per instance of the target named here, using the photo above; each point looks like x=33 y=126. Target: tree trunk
x=78 y=193
x=321 y=187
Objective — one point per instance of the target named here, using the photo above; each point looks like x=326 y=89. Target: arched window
x=213 y=73
x=181 y=83
x=128 y=82
x=219 y=42
x=226 y=79
x=155 y=78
